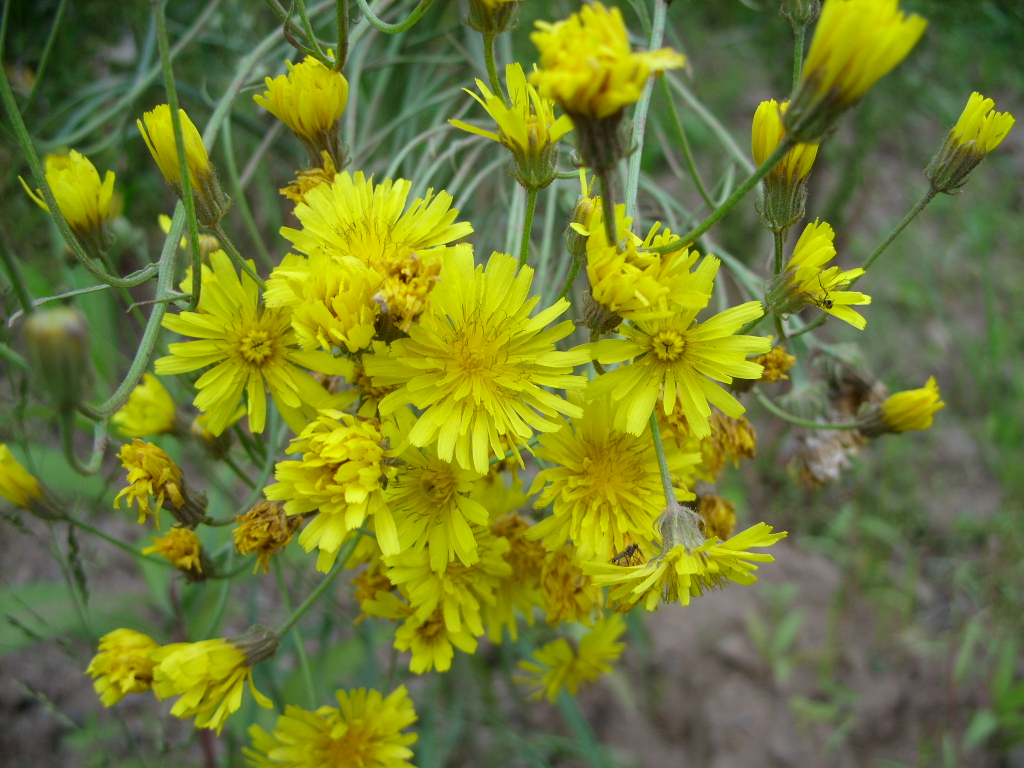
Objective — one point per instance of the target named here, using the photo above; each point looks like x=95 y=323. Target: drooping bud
x=57 y=348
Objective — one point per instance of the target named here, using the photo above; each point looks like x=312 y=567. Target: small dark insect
x=630 y=554
x=825 y=303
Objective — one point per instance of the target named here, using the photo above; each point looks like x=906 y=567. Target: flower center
x=256 y=346
x=439 y=487
x=668 y=345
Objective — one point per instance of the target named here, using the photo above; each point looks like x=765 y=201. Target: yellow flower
x=158 y=133
x=587 y=65
x=557 y=666
x=776 y=363
x=855 y=43
x=364 y=730
x=731 y=439
x=685 y=570
x=804 y=282
x=567 y=594
x=979 y=130
x=209 y=676
x=81 y=197
x=522 y=592
x=684 y=358
x=332 y=301
x=17 y=485
x=264 y=530
x=148 y=411
x=310 y=100
x=527 y=128
x=311 y=178
x=123 y=664
x=250 y=348
x=719 y=515
x=151 y=472
x=604 y=485
x=478 y=365
x=340 y=474
x=766 y=135
x=181 y=547
x=431 y=504
x=431 y=640
x=910 y=409
x=403 y=244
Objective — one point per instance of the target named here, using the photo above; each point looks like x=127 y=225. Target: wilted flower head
x=151 y=472
x=183 y=549
x=123 y=664
x=264 y=531
x=82 y=198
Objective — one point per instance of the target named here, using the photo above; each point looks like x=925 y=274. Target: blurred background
x=887 y=633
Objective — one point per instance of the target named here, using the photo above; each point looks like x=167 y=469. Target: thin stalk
x=179 y=145
x=339 y=566
x=659 y=448
x=39 y=176
x=640 y=111
x=14 y=276
x=684 y=144
x=307 y=27
x=492 y=69
x=232 y=251
x=45 y=58
x=574 y=269
x=815 y=323
x=751 y=325
x=241 y=202
x=10 y=356
x=239 y=471
x=608 y=208
x=300 y=648
x=402 y=26
x=928 y=197
x=780 y=151
x=531 y=207
x=3 y=26
x=584 y=738
x=799 y=30
x=119 y=544
x=780 y=329
x=341 y=23
x=99 y=437
x=780 y=241
x=807 y=423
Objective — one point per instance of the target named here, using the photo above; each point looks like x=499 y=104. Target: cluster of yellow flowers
x=416 y=381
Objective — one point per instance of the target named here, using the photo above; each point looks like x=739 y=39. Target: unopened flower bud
x=680 y=525
x=492 y=17
x=979 y=130
x=57 y=348
x=258 y=644
x=24 y=490
x=785 y=186
x=903 y=411
x=800 y=12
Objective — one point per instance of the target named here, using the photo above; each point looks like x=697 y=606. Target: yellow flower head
x=250 y=348
x=364 y=730
x=604 y=485
x=311 y=178
x=567 y=593
x=430 y=500
x=123 y=664
x=151 y=472
x=731 y=439
x=210 y=678
x=81 y=197
x=332 y=301
x=718 y=514
x=979 y=130
x=855 y=43
x=804 y=281
x=310 y=99
x=527 y=127
x=587 y=65
x=17 y=485
x=264 y=531
x=628 y=280
x=340 y=474
x=776 y=363
x=678 y=361
x=522 y=592
x=910 y=409
x=375 y=224
x=181 y=547
x=556 y=666
x=432 y=642
x=685 y=570
x=148 y=411
x=478 y=365
x=766 y=135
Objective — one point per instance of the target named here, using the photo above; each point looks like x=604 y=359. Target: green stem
x=300 y=647
x=239 y=471
x=928 y=197
x=751 y=325
x=402 y=26
x=799 y=30
x=780 y=242
x=640 y=111
x=780 y=329
x=241 y=202
x=780 y=151
x=608 y=208
x=339 y=566
x=14 y=276
x=341 y=23
x=684 y=144
x=807 y=423
x=179 y=146
x=570 y=278
x=39 y=176
x=67 y=433
x=10 y=356
x=659 y=448
x=45 y=58
x=492 y=69
x=307 y=27
x=237 y=257
x=119 y=544
x=531 y=207
x=815 y=323
x=584 y=738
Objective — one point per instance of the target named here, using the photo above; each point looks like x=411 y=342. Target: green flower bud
x=57 y=348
